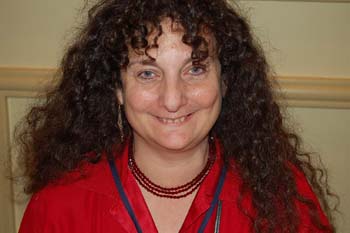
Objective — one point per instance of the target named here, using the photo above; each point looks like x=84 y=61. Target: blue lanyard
x=215 y=202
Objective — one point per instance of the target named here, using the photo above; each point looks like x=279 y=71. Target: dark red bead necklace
x=174 y=192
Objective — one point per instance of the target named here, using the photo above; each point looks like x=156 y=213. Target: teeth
x=173 y=121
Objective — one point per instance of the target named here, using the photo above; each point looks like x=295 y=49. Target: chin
x=175 y=144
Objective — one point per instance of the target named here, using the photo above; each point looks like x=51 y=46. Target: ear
x=120 y=96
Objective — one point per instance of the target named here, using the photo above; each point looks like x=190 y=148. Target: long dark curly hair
x=80 y=114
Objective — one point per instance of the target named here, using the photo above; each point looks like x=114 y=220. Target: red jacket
x=92 y=204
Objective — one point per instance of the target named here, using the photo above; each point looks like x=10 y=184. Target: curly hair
x=80 y=114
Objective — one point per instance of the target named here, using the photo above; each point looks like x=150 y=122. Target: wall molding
x=319 y=92
x=25 y=79
x=295 y=91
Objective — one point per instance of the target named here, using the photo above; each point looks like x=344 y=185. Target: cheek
x=139 y=100
x=206 y=96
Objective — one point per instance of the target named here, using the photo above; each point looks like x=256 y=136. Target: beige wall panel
x=327 y=132
x=17 y=107
x=6 y=208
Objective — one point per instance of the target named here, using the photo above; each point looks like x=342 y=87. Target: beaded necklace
x=172 y=192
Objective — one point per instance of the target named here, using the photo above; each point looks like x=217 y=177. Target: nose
x=173 y=94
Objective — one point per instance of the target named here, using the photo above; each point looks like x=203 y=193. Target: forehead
x=171 y=38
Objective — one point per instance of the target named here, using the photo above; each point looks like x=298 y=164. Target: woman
x=164 y=121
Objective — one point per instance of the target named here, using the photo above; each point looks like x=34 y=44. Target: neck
x=170 y=168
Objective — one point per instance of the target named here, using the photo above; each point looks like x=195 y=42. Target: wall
x=307 y=43
x=304 y=38
x=34 y=32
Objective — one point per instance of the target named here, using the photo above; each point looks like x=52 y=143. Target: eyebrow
x=142 y=62
x=152 y=62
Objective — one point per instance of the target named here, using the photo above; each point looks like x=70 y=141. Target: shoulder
x=88 y=178
x=75 y=197
x=302 y=183
x=311 y=215
x=306 y=202
x=308 y=205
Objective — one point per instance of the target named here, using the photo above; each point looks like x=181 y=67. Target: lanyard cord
x=218 y=218
x=214 y=202
x=123 y=196
x=128 y=207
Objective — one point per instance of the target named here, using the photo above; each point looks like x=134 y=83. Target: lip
x=175 y=121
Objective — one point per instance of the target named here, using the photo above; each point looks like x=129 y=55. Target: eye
x=197 y=70
x=146 y=75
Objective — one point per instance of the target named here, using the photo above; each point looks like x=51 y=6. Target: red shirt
x=92 y=204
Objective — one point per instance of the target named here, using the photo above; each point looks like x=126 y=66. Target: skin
x=171 y=106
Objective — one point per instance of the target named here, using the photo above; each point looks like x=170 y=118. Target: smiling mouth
x=174 y=121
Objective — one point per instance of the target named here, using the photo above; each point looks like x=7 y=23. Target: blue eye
x=197 y=70
x=147 y=74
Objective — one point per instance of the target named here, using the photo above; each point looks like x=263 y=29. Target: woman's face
x=171 y=103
